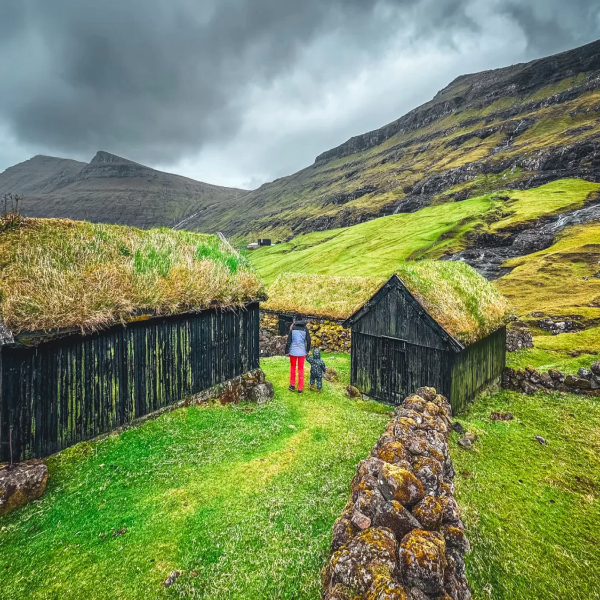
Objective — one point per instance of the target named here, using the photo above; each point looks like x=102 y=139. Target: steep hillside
x=110 y=189
x=517 y=127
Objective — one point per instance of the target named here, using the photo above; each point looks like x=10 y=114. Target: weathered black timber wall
x=65 y=391
x=475 y=367
x=397 y=348
x=399 y=316
x=390 y=369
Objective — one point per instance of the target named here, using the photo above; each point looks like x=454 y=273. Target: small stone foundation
x=530 y=381
x=400 y=536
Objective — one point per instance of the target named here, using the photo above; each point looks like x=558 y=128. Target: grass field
x=240 y=499
x=377 y=247
x=532 y=511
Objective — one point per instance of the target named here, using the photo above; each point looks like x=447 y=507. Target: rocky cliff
x=510 y=128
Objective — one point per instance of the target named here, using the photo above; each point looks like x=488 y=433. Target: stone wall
x=530 y=380
x=326 y=334
x=400 y=536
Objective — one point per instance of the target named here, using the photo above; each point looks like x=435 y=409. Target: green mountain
x=512 y=128
x=110 y=189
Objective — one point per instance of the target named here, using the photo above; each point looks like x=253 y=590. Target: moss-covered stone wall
x=326 y=334
x=401 y=535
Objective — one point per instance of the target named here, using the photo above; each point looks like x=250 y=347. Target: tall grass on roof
x=320 y=295
x=463 y=302
x=59 y=273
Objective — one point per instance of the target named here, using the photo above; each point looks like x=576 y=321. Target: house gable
x=394 y=312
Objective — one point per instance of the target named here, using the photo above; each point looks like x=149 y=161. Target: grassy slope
x=532 y=511
x=243 y=504
x=375 y=248
x=289 y=204
x=244 y=497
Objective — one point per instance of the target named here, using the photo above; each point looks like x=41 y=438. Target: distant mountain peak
x=103 y=157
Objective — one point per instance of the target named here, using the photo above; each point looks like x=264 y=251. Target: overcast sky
x=239 y=92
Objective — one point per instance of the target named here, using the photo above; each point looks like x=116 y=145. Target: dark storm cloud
x=159 y=81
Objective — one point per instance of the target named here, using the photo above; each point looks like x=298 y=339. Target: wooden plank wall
x=70 y=390
x=389 y=369
x=476 y=367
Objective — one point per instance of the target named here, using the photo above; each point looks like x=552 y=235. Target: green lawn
x=241 y=499
x=377 y=247
x=532 y=511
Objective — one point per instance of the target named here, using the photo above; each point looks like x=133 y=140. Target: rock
x=401 y=485
x=26 y=481
x=352 y=392
x=261 y=393
x=464 y=443
x=170 y=580
x=471 y=437
x=356 y=565
x=518 y=336
x=583 y=372
x=429 y=512
x=385 y=588
x=422 y=558
x=595 y=368
x=427 y=393
x=396 y=518
x=430 y=472
x=455 y=538
x=541 y=440
x=528 y=388
x=458 y=427
x=393 y=452
x=501 y=416
x=556 y=375
x=577 y=382
x=415 y=402
x=343 y=531
x=546 y=380
x=451 y=511
x=360 y=521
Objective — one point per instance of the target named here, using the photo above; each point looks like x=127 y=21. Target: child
x=297 y=347
x=317 y=368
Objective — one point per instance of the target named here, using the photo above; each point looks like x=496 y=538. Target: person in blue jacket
x=297 y=347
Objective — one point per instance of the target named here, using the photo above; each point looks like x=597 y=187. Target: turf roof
x=320 y=295
x=57 y=273
x=464 y=303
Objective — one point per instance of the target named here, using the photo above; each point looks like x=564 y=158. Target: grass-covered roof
x=320 y=295
x=57 y=273
x=464 y=303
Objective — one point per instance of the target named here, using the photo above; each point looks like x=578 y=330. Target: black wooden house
x=62 y=384
x=398 y=346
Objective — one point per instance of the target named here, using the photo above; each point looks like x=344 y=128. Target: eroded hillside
x=517 y=127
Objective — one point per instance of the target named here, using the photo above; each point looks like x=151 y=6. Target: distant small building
x=253 y=246
x=264 y=242
x=258 y=244
x=437 y=324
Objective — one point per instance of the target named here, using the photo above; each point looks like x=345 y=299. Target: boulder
x=595 y=368
x=356 y=565
x=455 y=538
x=427 y=393
x=261 y=393
x=556 y=375
x=396 y=518
x=528 y=388
x=385 y=588
x=429 y=512
x=22 y=483
x=393 y=452
x=400 y=485
x=573 y=382
x=546 y=380
x=352 y=392
x=422 y=558
x=583 y=372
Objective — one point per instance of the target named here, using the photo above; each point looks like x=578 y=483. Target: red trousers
x=297 y=360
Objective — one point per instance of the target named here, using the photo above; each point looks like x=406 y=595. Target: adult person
x=297 y=347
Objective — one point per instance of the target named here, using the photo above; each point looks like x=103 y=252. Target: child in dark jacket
x=317 y=368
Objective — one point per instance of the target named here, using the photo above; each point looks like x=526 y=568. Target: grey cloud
x=160 y=81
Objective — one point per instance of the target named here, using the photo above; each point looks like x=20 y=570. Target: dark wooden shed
x=398 y=346
x=103 y=324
